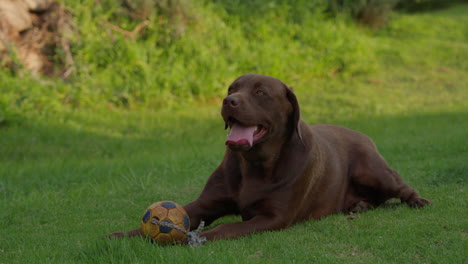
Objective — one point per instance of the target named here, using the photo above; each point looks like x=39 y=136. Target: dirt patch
x=36 y=35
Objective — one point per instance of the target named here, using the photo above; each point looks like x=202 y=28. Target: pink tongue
x=240 y=135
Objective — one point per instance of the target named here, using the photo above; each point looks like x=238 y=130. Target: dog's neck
x=264 y=157
x=263 y=154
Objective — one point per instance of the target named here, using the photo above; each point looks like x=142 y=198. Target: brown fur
x=294 y=173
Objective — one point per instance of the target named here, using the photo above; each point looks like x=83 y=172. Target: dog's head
x=258 y=109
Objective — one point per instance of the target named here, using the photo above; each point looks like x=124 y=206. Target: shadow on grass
x=429 y=147
x=432 y=141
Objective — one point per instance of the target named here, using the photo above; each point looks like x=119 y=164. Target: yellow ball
x=170 y=212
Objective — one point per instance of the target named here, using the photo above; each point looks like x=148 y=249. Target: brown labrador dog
x=277 y=170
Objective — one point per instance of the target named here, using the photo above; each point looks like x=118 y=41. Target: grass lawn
x=68 y=178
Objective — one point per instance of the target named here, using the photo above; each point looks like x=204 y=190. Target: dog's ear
x=296 y=115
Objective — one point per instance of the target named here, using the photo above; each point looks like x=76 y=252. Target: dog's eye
x=259 y=92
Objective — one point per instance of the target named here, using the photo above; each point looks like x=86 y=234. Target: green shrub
x=221 y=40
x=424 y=5
x=373 y=13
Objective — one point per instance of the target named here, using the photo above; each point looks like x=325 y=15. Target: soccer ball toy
x=166 y=212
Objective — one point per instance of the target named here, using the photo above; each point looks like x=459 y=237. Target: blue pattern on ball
x=168 y=205
x=165 y=229
x=146 y=217
x=186 y=222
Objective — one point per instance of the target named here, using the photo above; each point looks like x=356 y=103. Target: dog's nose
x=232 y=101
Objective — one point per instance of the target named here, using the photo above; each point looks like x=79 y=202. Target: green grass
x=65 y=186
x=72 y=172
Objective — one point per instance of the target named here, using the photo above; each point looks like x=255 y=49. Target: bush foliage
x=164 y=63
x=374 y=13
x=179 y=50
x=425 y=5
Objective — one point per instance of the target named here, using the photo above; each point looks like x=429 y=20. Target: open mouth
x=241 y=134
